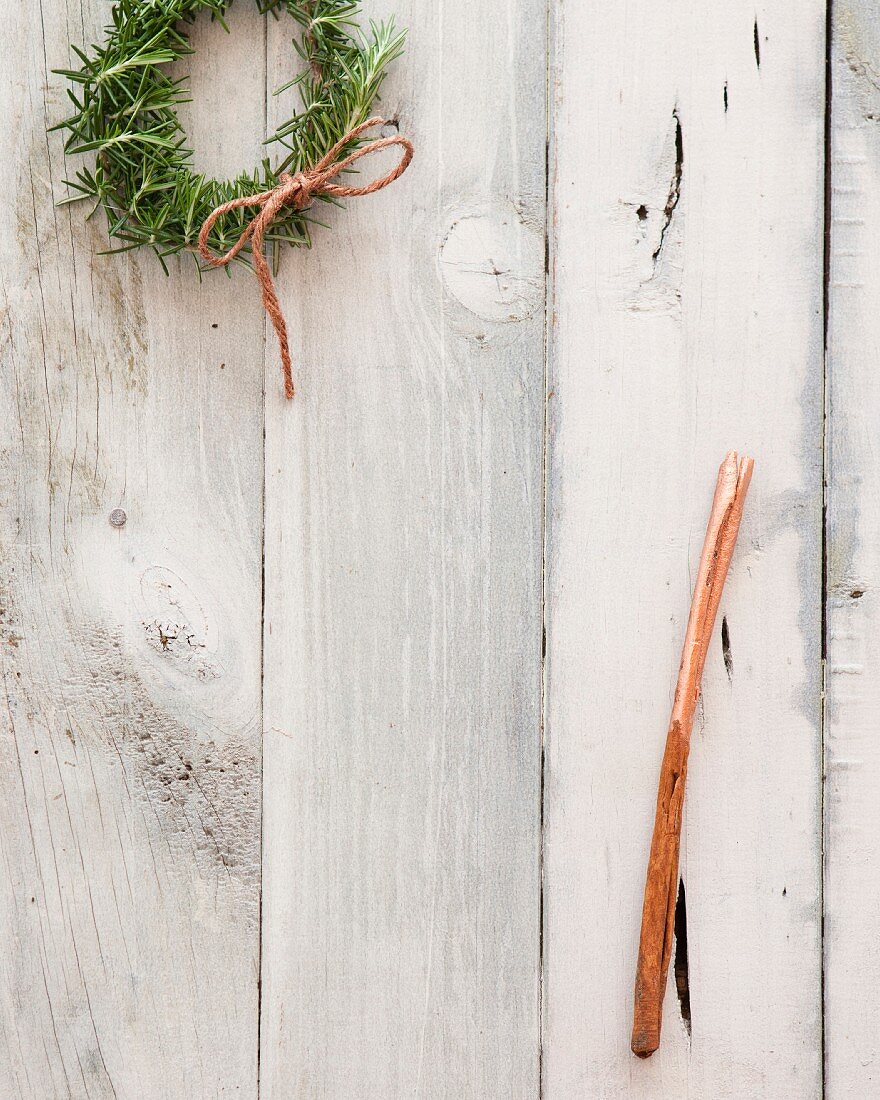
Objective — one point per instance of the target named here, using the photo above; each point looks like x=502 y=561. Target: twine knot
x=297 y=191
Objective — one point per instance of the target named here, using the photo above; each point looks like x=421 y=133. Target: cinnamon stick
x=658 y=915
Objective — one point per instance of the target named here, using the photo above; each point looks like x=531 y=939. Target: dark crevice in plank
x=680 y=963
x=545 y=459
x=726 y=651
x=262 y=620
x=823 y=629
x=674 y=186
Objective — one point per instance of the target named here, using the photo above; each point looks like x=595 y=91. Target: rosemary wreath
x=142 y=177
x=126 y=112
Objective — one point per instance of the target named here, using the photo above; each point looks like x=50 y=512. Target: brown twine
x=298 y=191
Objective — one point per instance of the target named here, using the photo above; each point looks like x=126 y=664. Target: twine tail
x=271 y=304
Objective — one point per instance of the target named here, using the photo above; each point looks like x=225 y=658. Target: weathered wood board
x=130 y=744
x=402 y=673
x=852 y=761
x=291 y=803
x=686 y=319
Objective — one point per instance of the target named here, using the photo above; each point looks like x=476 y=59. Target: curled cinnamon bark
x=658 y=915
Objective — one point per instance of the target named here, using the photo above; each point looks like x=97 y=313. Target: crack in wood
x=680 y=963
x=674 y=187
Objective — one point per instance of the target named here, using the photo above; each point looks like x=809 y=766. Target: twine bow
x=298 y=191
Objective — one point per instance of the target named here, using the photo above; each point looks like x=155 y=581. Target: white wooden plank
x=129 y=786
x=403 y=596
x=852 y=885
x=687 y=319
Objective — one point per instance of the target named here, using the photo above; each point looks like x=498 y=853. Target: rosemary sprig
x=125 y=111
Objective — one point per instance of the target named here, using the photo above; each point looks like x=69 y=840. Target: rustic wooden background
x=331 y=773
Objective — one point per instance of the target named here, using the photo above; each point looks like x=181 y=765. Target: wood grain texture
x=130 y=739
x=398 y=729
x=403 y=596
x=852 y=885
x=686 y=319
